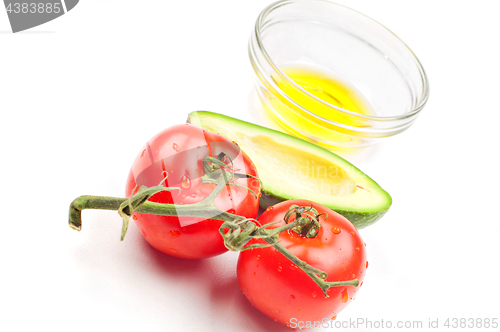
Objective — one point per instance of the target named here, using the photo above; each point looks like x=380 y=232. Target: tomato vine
x=236 y=230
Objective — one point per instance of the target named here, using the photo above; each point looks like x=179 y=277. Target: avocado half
x=291 y=168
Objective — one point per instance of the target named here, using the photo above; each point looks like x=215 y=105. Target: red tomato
x=179 y=151
x=282 y=291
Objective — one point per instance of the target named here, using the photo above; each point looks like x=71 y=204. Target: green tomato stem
x=173 y=210
x=315 y=274
x=237 y=234
x=139 y=203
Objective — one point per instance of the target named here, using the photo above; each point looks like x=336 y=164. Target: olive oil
x=317 y=111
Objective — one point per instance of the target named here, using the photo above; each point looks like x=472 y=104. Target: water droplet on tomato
x=336 y=230
x=299 y=308
x=357 y=248
x=176 y=147
x=143 y=152
x=232 y=211
x=361 y=284
x=292 y=296
x=314 y=294
x=366 y=264
x=258 y=256
x=352 y=233
x=280 y=268
x=185 y=182
x=134 y=217
x=193 y=195
x=353 y=276
x=334 y=317
x=235 y=143
x=345 y=297
x=269 y=208
x=174 y=233
x=293 y=266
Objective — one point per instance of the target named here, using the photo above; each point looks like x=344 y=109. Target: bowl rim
x=258 y=37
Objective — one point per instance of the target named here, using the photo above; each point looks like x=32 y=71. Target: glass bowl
x=343 y=44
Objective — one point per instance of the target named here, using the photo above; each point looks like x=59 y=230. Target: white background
x=80 y=95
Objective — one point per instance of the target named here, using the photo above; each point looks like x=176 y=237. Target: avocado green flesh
x=291 y=168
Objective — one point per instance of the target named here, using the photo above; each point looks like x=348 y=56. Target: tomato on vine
x=284 y=292
x=174 y=158
x=194 y=194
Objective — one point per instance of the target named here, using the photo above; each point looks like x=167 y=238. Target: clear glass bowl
x=352 y=47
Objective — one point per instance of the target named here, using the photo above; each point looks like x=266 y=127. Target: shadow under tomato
x=216 y=284
x=177 y=267
x=227 y=294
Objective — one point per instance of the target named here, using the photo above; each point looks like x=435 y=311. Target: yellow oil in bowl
x=312 y=104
